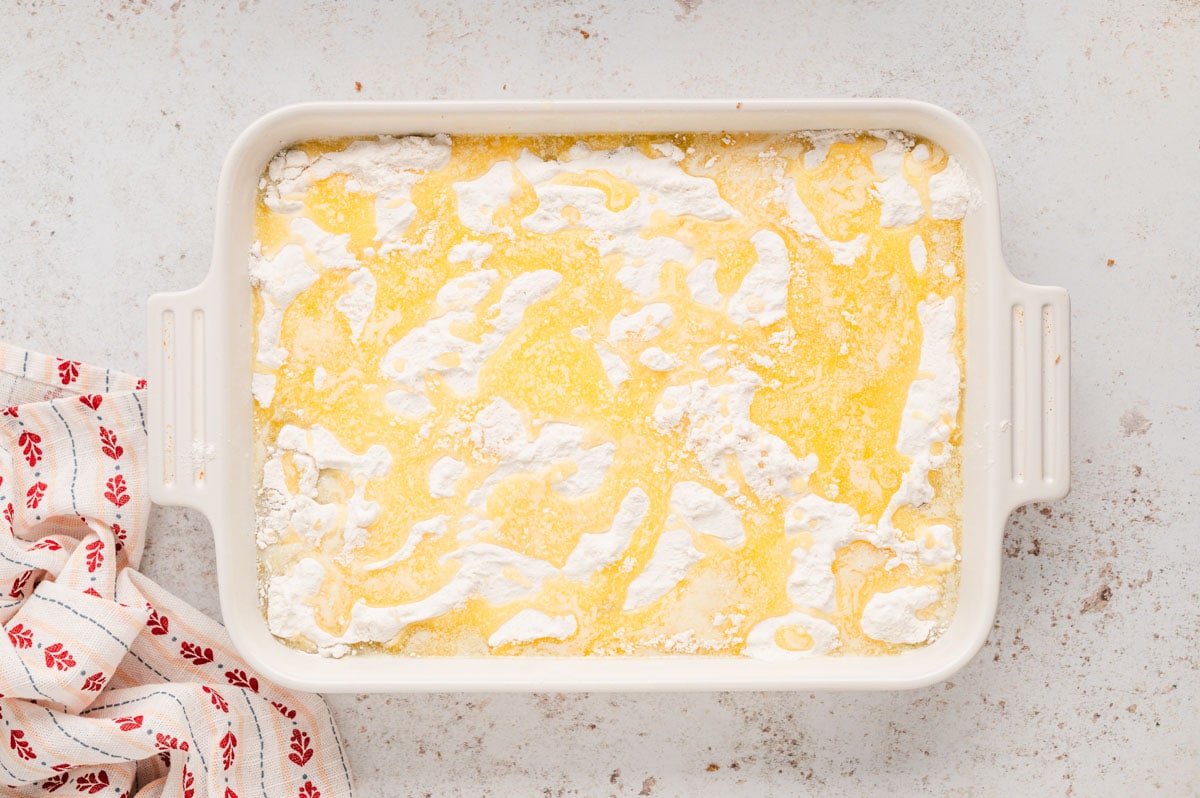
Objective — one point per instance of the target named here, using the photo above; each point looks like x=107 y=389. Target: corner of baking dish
x=1016 y=413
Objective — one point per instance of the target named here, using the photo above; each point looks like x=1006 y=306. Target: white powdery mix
x=312 y=451
x=800 y=219
x=597 y=550
x=656 y=359
x=442 y=476
x=931 y=410
x=891 y=617
x=493 y=573
x=719 y=425
x=761 y=643
x=262 y=386
x=327 y=453
x=706 y=513
x=279 y=279
x=900 y=204
x=917 y=253
x=821 y=141
x=331 y=250
x=431 y=527
x=763 y=294
x=662 y=184
x=951 y=194
x=530 y=624
x=935 y=545
x=425 y=350
x=643 y=324
x=473 y=251
x=831 y=525
x=702 y=282
x=499 y=430
x=388 y=165
x=358 y=303
x=673 y=557
x=615 y=368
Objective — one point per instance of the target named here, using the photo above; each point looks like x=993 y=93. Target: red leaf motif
x=116 y=492
x=120 y=535
x=92 y=400
x=239 y=678
x=50 y=544
x=290 y=714
x=33 y=496
x=28 y=441
x=68 y=372
x=8 y=516
x=217 y=701
x=58 y=657
x=95 y=682
x=129 y=722
x=95 y=555
x=188 y=781
x=229 y=793
x=301 y=750
x=18 y=743
x=108 y=444
x=92 y=782
x=165 y=758
x=91 y=591
x=10 y=411
x=20 y=637
x=61 y=766
x=167 y=741
x=157 y=623
x=308 y=791
x=228 y=745
x=18 y=585
x=141 y=384
x=56 y=783
x=193 y=652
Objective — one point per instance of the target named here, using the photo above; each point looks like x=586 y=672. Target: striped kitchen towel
x=110 y=686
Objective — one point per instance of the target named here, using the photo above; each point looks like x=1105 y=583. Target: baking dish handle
x=1034 y=424
x=182 y=346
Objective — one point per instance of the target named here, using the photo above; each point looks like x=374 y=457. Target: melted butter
x=837 y=393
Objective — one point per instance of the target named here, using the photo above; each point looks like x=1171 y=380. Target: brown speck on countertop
x=686 y=9
x=1134 y=423
x=1098 y=600
x=1112 y=262
x=358 y=85
x=648 y=785
x=616 y=774
x=584 y=34
x=713 y=767
x=739 y=105
x=1036 y=548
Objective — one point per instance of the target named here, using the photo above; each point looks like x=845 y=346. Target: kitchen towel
x=110 y=686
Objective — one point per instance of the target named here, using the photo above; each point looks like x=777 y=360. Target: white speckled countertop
x=114 y=126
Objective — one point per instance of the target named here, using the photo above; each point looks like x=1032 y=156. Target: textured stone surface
x=114 y=124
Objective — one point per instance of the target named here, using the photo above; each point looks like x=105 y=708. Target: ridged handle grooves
x=1035 y=426
x=182 y=348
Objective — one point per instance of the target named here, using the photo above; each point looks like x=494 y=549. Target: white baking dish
x=1016 y=408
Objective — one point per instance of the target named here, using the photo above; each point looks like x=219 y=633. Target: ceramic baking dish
x=1015 y=418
